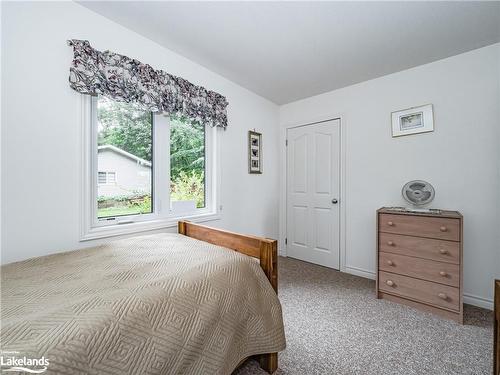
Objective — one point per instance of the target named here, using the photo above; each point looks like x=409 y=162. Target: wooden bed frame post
x=269 y=263
x=181 y=225
x=263 y=248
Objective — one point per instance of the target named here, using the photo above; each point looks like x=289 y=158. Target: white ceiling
x=286 y=51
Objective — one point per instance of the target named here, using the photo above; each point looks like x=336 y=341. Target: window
x=187 y=165
x=106 y=178
x=111 y=177
x=166 y=169
x=102 y=178
x=124 y=145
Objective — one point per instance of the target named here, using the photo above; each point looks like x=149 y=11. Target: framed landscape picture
x=254 y=152
x=413 y=121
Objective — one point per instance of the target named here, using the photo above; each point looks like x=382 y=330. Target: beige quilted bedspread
x=156 y=304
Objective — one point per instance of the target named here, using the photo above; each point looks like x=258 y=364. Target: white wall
x=461 y=158
x=40 y=125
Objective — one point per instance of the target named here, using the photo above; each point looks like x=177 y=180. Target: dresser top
x=441 y=213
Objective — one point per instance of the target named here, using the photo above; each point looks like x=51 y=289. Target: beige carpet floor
x=335 y=325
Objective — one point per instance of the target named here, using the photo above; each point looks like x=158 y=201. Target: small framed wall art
x=413 y=121
x=254 y=152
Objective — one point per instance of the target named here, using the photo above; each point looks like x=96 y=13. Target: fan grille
x=418 y=192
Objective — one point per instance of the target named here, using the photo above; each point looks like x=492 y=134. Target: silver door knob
x=335 y=201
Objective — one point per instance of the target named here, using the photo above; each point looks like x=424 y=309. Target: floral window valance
x=124 y=79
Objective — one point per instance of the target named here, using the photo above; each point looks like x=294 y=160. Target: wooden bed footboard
x=266 y=250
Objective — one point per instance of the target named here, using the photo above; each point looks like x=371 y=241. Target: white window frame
x=162 y=216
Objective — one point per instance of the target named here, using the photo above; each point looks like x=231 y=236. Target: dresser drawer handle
x=390 y=263
x=443 y=296
x=443 y=229
x=443 y=251
x=442 y=273
x=389 y=282
x=390 y=243
x=390 y=223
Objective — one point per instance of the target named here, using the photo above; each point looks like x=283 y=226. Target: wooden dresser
x=419 y=260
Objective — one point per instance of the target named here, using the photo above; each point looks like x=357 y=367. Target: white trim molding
x=144 y=226
x=282 y=183
x=485 y=303
x=360 y=272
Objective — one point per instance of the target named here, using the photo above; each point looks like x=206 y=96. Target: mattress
x=156 y=304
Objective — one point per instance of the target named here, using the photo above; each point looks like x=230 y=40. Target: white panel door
x=313 y=186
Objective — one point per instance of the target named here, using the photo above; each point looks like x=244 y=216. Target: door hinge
x=286 y=241
x=286 y=142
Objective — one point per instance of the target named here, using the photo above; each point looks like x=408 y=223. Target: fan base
x=416 y=210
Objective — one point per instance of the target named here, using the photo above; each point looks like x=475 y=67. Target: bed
x=197 y=302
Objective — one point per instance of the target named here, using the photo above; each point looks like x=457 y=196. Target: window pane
x=101 y=179
x=125 y=136
x=187 y=165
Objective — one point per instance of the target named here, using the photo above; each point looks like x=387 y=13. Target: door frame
x=282 y=248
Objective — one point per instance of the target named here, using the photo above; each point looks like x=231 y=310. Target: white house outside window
x=166 y=169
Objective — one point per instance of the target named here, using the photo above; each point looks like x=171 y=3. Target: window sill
x=144 y=226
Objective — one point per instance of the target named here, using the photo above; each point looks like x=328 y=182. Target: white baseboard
x=281 y=252
x=359 y=272
x=485 y=303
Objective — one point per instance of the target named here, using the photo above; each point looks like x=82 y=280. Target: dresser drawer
x=443 y=251
x=439 y=272
x=420 y=290
x=421 y=226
